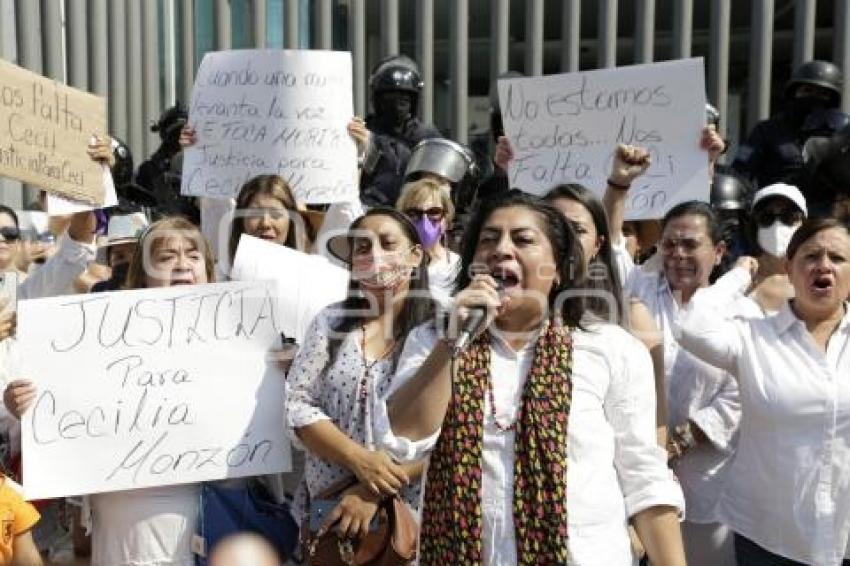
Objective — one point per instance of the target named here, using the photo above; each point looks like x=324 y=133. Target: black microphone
x=473 y=324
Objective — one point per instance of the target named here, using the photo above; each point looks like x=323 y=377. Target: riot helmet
x=122 y=170
x=729 y=192
x=171 y=122
x=397 y=73
x=712 y=116
x=441 y=157
x=822 y=74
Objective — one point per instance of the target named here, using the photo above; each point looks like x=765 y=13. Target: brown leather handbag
x=392 y=543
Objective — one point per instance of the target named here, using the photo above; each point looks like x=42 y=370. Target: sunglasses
x=434 y=213
x=765 y=218
x=10 y=233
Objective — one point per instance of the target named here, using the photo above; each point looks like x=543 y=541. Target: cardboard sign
x=305 y=284
x=45 y=128
x=151 y=387
x=272 y=112
x=59 y=206
x=565 y=128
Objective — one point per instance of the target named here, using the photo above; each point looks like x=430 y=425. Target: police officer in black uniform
x=730 y=197
x=395 y=85
x=773 y=151
x=160 y=175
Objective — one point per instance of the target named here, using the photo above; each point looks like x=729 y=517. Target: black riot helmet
x=396 y=73
x=729 y=192
x=712 y=116
x=822 y=74
x=171 y=122
x=122 y=170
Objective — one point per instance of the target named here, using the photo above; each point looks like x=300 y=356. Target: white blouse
x=151 y=527
x=441 y=277
x=615 y=468
x=789 y=487
x=317 y=391
x=696 y=392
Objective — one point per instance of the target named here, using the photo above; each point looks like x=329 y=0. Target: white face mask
x=775 y=238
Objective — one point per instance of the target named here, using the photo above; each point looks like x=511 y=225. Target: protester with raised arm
x=541 y=436
x=786 y=498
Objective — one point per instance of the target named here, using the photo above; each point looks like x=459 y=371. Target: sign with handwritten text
x=565 y=128
x=319 y=282
x=45 y=130
x=272 y=112
x=151 y=387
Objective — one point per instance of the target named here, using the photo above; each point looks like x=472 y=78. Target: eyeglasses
x=434 y=213
x=765 y=218
x=689 y=245
x=10 y=233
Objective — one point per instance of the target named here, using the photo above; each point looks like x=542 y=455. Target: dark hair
x=565 y=249
x=609 y=281
x=418 y=306
x=713 y=226
x=272 y=186
x=809 y=229
x=697 y=208
x=11 y=213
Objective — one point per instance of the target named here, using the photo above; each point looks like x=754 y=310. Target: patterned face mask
x=385 y=273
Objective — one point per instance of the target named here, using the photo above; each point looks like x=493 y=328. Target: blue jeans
x=748 y=553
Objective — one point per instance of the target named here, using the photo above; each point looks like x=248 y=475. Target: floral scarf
x=452 y=516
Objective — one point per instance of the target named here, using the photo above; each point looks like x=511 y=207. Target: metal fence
x=142 y=54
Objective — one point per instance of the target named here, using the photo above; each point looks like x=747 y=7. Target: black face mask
x=802 y=106
x=396 y=107
x=119 y=274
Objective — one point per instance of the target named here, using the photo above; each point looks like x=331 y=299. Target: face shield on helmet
x=441 y=157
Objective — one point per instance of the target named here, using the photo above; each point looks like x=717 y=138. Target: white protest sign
x=151 y=387
x=272 y=112
x=564 y=129
x=305 y=283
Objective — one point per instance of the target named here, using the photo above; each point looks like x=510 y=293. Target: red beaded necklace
x=492 y=398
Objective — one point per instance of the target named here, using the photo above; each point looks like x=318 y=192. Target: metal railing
x=142 y=54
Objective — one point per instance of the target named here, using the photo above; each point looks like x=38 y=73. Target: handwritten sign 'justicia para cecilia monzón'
x=564 y=129
x=273 y=112
x=151 y=387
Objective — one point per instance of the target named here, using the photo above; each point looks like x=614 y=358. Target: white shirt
x=441 y=277
x=57 y=275
x=696 y=392
x=144 y=527
x=789 y=488
x=615 y=468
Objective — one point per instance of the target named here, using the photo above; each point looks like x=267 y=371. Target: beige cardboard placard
x=45 y=129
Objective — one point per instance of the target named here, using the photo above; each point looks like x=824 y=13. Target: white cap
x=125 y=228
x=784 y=190
x=33 y=221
